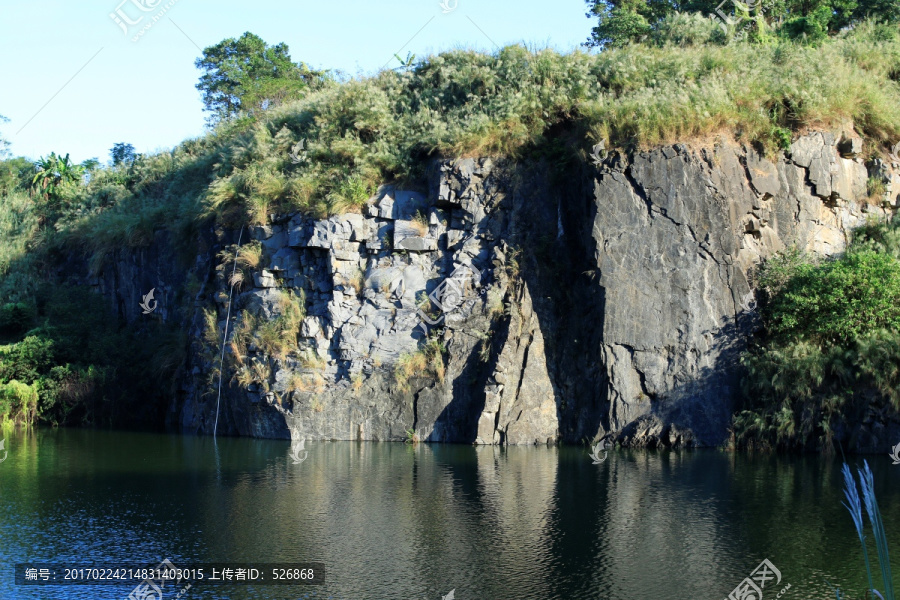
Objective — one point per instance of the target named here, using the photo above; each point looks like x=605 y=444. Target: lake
x=394 y=521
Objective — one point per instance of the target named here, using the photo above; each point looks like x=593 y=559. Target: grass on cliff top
x=327 y=152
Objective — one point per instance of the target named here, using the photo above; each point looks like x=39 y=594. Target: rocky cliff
x=509 y=303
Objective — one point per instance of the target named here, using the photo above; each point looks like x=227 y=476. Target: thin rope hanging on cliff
x=225 y=335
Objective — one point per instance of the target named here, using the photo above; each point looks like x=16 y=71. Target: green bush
x=686 y=29
x=26 y=360
x=18 y=402
x=838 y=301
x=74 y=361
x=830 y=347
x=67 y=394
x=16 y=317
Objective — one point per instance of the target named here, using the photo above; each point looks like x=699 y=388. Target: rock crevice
x=528 y=308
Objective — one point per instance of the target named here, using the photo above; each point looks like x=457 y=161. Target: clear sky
x=71 y=80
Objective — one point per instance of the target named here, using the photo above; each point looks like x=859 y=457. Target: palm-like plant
x=54 y=172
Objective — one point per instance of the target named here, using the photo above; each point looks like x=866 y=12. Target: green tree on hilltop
x=621 y=22
x=246 y=74
x=122 y=153
x=4 y=144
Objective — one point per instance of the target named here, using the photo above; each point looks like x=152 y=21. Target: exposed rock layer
x=613 y=300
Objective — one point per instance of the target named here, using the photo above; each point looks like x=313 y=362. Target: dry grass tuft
x=428 y=361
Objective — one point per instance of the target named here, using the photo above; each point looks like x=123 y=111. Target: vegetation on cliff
x=829 y=357
x=321 y=145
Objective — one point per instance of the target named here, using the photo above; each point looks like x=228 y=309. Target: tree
x=122 y=153
x=246 y=74
x=55 y=177
x=4 y=145
x=883 y=10
x=620 y=22
x=618 y=26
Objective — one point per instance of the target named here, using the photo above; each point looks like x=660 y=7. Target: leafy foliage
x=623 y=22
x=838 y=301
x=831 y=346
x=123 y=154
x=246 y=74
x=4 y=144
x=71 y=359
x=55 y=178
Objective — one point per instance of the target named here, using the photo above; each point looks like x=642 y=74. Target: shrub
x=839 y=300
x=16 y=317
x=830 y=346
x=18 y=402
x=685 y=29
x=26 y=360
x=67 y=392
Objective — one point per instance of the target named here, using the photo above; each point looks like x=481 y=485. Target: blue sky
x=71 y=80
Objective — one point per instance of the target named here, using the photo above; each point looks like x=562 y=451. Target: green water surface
x=391 y=521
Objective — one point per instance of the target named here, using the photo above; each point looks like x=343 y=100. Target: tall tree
x=620 y=22
x=246 y=74
x=122 y=153
x=4 y=144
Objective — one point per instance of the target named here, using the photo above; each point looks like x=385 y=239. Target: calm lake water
x=391 y=521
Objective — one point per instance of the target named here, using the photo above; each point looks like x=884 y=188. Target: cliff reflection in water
x=398 y=521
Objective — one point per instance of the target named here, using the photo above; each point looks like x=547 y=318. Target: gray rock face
x=613 y=304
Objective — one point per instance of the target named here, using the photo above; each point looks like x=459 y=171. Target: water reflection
x=397 y=521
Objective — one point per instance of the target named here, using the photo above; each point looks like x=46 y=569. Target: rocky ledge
x=509 y=303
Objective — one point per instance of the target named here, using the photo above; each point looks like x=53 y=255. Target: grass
x=250 y=256
x=495 y=307
x=357 y=281
x=278 y=336
x=427 y=361
x=363 y=132
x=512 y=268
x=854 y=506
x=18 y=403
x=275 y=337
x=309 y=359
x=484 y=346
x=412 y=437
x=420 y=223
x=255 y=372
x=306 y=383
x=356 y=382
x=211 y=335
